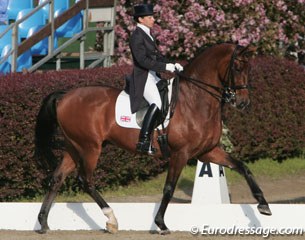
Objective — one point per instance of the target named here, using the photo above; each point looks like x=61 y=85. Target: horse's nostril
x=241 y=105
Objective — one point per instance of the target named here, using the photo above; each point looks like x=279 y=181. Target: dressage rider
x=148 y=61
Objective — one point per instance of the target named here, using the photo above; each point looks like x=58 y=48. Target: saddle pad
x=125 y=118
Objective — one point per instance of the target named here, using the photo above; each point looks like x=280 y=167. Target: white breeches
x=151 y=92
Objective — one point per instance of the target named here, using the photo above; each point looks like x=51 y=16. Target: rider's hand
x=179 y=67
x=170 y=67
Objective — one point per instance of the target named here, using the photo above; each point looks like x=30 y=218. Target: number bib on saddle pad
x=125 y=118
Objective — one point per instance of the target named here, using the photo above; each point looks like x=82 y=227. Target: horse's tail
x=45 y=129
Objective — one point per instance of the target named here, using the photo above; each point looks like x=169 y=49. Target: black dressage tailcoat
x=146 y=56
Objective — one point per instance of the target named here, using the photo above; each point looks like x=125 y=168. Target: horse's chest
x=208 y=135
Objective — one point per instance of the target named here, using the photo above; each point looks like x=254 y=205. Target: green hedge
x=273 y=126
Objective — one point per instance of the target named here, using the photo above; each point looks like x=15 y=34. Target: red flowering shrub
x=274 y=124
x=183 y=27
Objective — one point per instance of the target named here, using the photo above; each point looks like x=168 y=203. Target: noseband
x=226 y=93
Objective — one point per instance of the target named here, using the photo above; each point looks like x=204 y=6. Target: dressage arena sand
x=125 y=235
x=285 y=190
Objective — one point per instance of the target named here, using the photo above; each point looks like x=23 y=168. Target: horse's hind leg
x=62 y=171
x=219 y=156
x=86 y=172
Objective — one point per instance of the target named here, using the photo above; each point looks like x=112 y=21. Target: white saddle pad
x=123 y=115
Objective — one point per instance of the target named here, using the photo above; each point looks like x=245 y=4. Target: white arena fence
x=209 y=212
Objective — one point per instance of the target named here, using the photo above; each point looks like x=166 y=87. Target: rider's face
x=147 y=21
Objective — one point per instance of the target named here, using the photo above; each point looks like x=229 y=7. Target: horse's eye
x=238 y=66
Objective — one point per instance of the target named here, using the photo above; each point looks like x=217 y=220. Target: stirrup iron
x=146 y=147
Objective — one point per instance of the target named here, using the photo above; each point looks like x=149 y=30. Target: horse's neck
x=198 y=101
x=202 y=76
x=201 y=99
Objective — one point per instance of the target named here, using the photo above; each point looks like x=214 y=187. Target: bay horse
x=86 y=117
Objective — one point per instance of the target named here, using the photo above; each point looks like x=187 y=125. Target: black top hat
x=142 y=10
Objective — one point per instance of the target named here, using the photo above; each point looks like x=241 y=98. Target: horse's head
x=225 y=73
x=235 y=82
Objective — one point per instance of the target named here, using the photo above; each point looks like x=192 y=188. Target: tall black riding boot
x=144 y=144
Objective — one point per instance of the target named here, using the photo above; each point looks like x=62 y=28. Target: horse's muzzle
x=242 y=102
x=242 y=99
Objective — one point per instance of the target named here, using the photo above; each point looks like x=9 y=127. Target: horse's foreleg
x=175 y=168
x=219 y=156
x=257 y=193
x=86 y=178
x=63 y=170
x=168 y=192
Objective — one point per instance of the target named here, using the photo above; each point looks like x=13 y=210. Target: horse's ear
x=249 y=51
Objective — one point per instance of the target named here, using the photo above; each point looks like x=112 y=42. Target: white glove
x=170 y=67
x=178 y=67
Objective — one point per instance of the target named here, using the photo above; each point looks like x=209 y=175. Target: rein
x=227 y=93
x=202 y=85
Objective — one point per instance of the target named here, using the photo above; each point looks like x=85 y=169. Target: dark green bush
x=21 y=96
x=274 y=124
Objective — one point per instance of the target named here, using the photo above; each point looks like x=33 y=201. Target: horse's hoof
x=42 y=230
x=112 y=228
x=264 y=209
x=164 y=232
